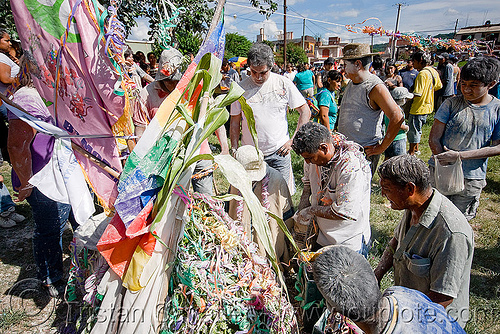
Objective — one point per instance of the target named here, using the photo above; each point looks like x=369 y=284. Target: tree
x=294 y=55
x=188 y=42
x=269 y=43
x=237 y=45
x=7 y=19
x=193 y=22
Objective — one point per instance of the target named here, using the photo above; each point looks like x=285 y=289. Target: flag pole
x=215 y=19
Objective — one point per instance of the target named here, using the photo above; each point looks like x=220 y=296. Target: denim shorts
x=397 y=147
x=415 y=123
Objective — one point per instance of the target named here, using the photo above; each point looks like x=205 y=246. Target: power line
x=288 y=15
x=242 y=18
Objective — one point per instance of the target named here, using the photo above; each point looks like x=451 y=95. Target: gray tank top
x=357 y=119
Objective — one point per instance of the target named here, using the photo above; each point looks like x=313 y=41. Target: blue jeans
x=365 y=248
x=5 y=199
x=415 y=123
x=397 y=147
x=50 y=218
x=284 y=166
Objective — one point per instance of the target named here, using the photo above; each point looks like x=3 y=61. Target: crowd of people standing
x=351 y=112
x=432 y=249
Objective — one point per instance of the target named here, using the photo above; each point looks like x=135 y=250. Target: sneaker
x=56 y=289
x=17 y=217
x=7 y=222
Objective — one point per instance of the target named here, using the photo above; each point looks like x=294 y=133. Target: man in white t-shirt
x=269 y=95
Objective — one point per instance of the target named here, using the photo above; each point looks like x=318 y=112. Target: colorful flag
x=127 y=243
x=76 y=80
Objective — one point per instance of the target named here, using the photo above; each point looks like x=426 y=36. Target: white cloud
x=229 y=22
x=270 y=28
x=349 y=13
x=451 y=11
x=294 y=2
x=140 y=32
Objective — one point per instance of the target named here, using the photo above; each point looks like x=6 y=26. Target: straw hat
x=357 y=51
x=168 y=65
x=252 y=160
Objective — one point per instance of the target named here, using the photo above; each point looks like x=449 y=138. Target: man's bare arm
x=439 y=298
x=221 y=135
x=19 y=140
x=444 y=155
x=235 y=130
x=304 y=117
x=304 y=198
x=386 y=260
x=382 y=98
x=435 y=136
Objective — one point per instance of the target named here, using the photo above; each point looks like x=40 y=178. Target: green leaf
x=193 y=85
x=285 y=230
x=185 y=113
x=216 y=118
x=198 y=158
x=247 y=110
x=212 y=64
x=228 y=197
x=234 y=93
x=237 y=176
x=308 y=305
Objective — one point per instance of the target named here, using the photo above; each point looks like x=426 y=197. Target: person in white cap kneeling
x=271 y=189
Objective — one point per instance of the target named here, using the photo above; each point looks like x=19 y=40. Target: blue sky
x=328 y=18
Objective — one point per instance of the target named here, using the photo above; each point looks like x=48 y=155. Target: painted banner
x=76 y=80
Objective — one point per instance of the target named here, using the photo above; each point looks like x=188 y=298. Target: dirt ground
x=25 y=306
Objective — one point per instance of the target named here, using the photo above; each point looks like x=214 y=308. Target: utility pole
x=284 y=32
x=303 y=33
x=393 y=49
x=456 y=24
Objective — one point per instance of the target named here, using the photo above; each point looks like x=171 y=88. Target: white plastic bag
x=449 y=178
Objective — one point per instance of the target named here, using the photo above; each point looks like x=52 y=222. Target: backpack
x=312 y=102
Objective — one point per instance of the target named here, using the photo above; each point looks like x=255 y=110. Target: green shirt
x=436 y=254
